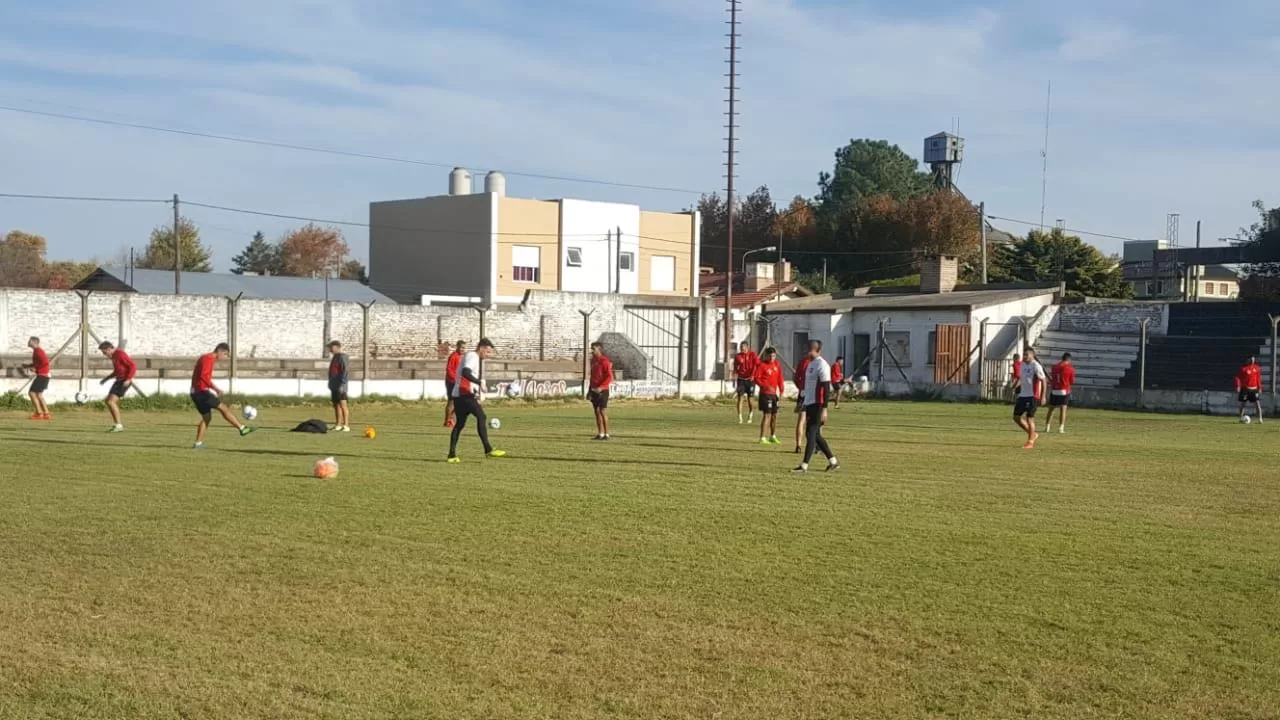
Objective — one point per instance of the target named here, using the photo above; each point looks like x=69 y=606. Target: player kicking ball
x=817 y=391
x=1031 y=386
x=598 y=393
x=768 y=378
x=467 y=394
x=123 y=370
x=206 y=395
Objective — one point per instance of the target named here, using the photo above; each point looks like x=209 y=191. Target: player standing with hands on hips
x=339 y=373
x=1031 y=386
x=598 y=393
x=205 y=394
x=817 y=391
x=467 y=394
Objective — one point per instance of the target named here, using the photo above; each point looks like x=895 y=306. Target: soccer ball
x=495 y=423
x=513 y=391
x=326 y=468
x=370 y=433
x=1246 y=419
x=250 y=412
x=81 y=398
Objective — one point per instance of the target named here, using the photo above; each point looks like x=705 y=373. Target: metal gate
x=951 y=354
x=655 y=332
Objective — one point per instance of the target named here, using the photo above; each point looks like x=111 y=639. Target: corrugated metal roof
x=848 y=301
x=258 y=287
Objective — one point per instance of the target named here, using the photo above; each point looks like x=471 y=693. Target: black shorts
x=338 y=393
x=1248 y=396
x=813 y=415
x=206 y=401
x=467 y=406
x=1025 y=407
x=119 y=388
x=40 y=384
x=746 y=387
x=769 y=404
x=599 y=399
x=1059 y=400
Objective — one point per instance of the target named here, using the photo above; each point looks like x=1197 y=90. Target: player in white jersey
x=1031 y=390
x=467 y=393
x=817 y=390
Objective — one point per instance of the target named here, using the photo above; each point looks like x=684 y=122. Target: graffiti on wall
x=535 y=388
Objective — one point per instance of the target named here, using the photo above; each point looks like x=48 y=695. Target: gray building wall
x=432 y=246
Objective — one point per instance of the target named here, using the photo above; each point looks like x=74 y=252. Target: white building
x=930 y=334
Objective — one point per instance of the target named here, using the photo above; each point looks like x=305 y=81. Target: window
x=931 y=358
x=861 y=355
x=575 y=257
x=526 y=264
x=626 y=261
x=1208 y=288
x=1222 y=289
x=897 y=347
x=662 y=273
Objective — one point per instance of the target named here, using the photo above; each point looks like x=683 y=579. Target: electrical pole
x=177 y=249
x=982 y=226
x=732 y=126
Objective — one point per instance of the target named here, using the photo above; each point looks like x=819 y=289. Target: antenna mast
x=730 y=158
x=1044 y=154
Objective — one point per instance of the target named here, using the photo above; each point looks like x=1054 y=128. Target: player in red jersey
x=598 y=393
x=451 y=378
x=744 y=370
x=40 y=366
x=1249 y=386
x=122 y=372
x=768 y=378
x=1061 y=377
x=837 y=380
x=205 y=394
x=798 y=379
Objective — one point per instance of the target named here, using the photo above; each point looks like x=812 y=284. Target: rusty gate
x=951 y=354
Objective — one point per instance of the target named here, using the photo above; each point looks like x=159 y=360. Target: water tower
x=942 y=153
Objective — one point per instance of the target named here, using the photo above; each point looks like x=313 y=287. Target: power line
x=333 y=151
x=1070 y=230
x=81 y=198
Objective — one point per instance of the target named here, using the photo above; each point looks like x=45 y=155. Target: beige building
x=487 y=248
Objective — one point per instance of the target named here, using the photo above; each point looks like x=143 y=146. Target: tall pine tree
x=259 y=256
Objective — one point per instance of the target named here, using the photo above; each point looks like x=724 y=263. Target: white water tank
x=459 y=182
x=496 y=183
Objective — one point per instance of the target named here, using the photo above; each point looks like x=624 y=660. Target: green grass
x=1130 y=569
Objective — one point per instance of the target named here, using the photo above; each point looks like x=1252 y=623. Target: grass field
x=1129 y=569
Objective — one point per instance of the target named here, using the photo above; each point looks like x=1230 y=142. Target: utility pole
x=982 y=226
x=1195 y=273
x=730 y=156
x=177 y=249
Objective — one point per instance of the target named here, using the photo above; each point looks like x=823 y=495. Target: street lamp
x=770 y=248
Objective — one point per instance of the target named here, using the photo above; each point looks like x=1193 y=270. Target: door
x=951 y=354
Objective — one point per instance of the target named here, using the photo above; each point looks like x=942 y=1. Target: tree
x=795 y=225
x=159 y=254
x=259 y=257
x=64 y=274
x=1261 y=241
x=354 y=270
x=312 y=251
x=866 y=168
x=1054 y=256
x=22 y=260
x=753 y=226
x=941 y=223
x=816 y=282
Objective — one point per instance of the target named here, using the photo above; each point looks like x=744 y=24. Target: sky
x=1157 y=107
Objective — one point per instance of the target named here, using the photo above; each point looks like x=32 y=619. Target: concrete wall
x=433 y=246
x=548 y=326
x=1114 y=318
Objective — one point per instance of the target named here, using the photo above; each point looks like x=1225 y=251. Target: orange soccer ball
x=326 y=468
x=370 y=433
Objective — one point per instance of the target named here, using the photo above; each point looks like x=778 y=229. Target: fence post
x=982 y=358
x=84 y=337
x=1142 y=362
x=364 y=349
x=481 y=310
x=880 y=354
x=680 y=356
x=1275 y=355
x=327 y=325
x=586 y=349
x=542 y=337
x=233 y=332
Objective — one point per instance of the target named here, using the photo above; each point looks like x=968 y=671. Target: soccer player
x=837 y=379
x=799 y=379
x=768 y=378
x=451 y=377
x=339 y=372
x=1061 y=377
x=1249 y=386
x=123 y=370
x=40 y=366
x=205 y=394
x=601 y=381
x=1031 y=388
x=744 y=369
x=817 y=390
x=467 y=394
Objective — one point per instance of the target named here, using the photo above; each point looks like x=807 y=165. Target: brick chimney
x=938 y=274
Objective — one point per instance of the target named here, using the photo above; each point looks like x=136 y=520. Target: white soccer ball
x=250 y=412
x=513 y=390
x=82 y=398
x=1246 y=419
x=495 y=423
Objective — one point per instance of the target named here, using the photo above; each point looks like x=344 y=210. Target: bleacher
x=1205 y=346
x=1100 y=359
